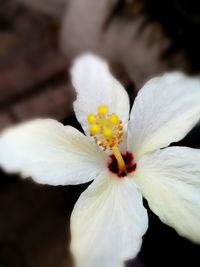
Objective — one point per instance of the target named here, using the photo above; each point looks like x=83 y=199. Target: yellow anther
x=92 y=119
x=107 y=132
x=94 y=129
x=106 y=129
x=114 y=119
x=102 y=110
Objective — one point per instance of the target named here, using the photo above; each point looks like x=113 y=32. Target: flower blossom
x=125 y=155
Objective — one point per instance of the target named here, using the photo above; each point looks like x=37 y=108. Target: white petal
x=170 y=180
x=108 y=223
x=95 y=86
x=50 y=153
x=165 y=110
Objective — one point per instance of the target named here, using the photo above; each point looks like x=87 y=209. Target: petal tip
x=85 y=60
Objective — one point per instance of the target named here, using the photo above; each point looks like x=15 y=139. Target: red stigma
x=129 y=161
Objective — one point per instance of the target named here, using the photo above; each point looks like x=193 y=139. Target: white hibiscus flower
x=125 y=158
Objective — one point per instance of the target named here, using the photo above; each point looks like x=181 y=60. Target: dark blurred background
x=38 y=41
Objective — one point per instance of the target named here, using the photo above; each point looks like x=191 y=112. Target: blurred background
x=38 y=41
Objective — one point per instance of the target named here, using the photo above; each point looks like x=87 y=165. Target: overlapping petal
x=170 y=180
x=108 y=223
x=95 y=86
x=164 y=111
x=51 y=153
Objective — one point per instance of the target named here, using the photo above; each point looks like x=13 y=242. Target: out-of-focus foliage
x=180 y=20
x=52 y=7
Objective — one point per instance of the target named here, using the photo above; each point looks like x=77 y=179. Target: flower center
x=107 y=131
x=129 y=162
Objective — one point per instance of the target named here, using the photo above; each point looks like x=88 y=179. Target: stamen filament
x=119 y=158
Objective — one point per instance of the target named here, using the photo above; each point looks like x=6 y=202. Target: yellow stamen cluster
x=106 y=128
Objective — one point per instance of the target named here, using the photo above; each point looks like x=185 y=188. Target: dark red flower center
x=129 y=161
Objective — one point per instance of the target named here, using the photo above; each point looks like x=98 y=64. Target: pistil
x=119 y=158
x=107 y=131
